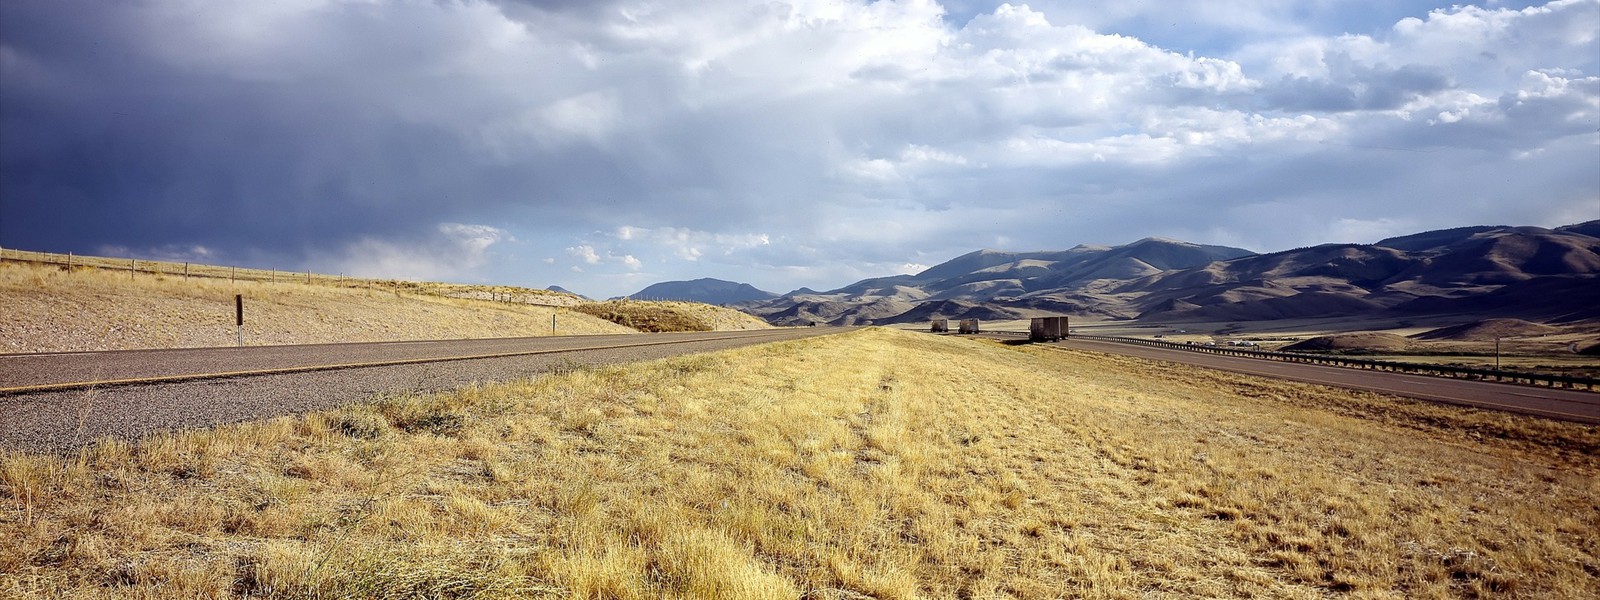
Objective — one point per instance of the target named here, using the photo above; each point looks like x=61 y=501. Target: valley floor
x=878 y=464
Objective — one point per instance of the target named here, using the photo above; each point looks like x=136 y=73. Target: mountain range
x=705 y=289
x=1534 y=273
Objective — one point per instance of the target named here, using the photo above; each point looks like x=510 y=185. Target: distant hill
x=1533 y=273
x=1488 y=330
x=706 y=290
x=557 y=288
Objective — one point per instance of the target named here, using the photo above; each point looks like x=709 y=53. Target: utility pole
x=1497 y=353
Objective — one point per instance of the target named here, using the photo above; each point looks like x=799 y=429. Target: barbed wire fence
x=134 y=267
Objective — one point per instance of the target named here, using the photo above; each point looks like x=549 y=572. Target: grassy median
x=877 y=464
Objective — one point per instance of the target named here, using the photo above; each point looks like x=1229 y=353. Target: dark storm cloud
x=135 y=126
x=107 y=139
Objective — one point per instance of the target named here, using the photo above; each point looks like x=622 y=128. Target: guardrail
x=1535 y=379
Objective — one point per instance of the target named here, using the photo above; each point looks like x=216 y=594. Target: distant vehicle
x=1047 y=329
x=1159 y=336
x=940 y=326
x=968 y=326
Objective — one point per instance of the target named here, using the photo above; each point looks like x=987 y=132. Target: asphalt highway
x=60 y=401
x=27 y=372
x=1564 y=404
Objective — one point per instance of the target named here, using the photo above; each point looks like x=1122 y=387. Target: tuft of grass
x=876 y=464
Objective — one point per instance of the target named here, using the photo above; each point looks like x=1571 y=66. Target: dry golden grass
x=876 y=464
x=498 y=293
x=50 y=309
x=671 y=315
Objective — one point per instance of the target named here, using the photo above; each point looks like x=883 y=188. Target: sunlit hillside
x=51 y=309
x=671 y=315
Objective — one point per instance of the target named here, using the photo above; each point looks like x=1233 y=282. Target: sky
x=606 y=145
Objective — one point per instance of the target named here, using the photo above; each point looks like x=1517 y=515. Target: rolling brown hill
x=1532 y=273
x=1345 y=342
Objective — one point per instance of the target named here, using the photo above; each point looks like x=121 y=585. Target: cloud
x=585 y=254
x=787 y=141
x=679 y=243
x=168 y=253
x=452 y=252
x=589 y=255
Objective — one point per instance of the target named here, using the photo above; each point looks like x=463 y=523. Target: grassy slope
x=878 y=463
x=672 y=316
x=48 y=309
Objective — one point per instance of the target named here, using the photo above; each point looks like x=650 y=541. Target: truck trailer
x=1047 y=329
